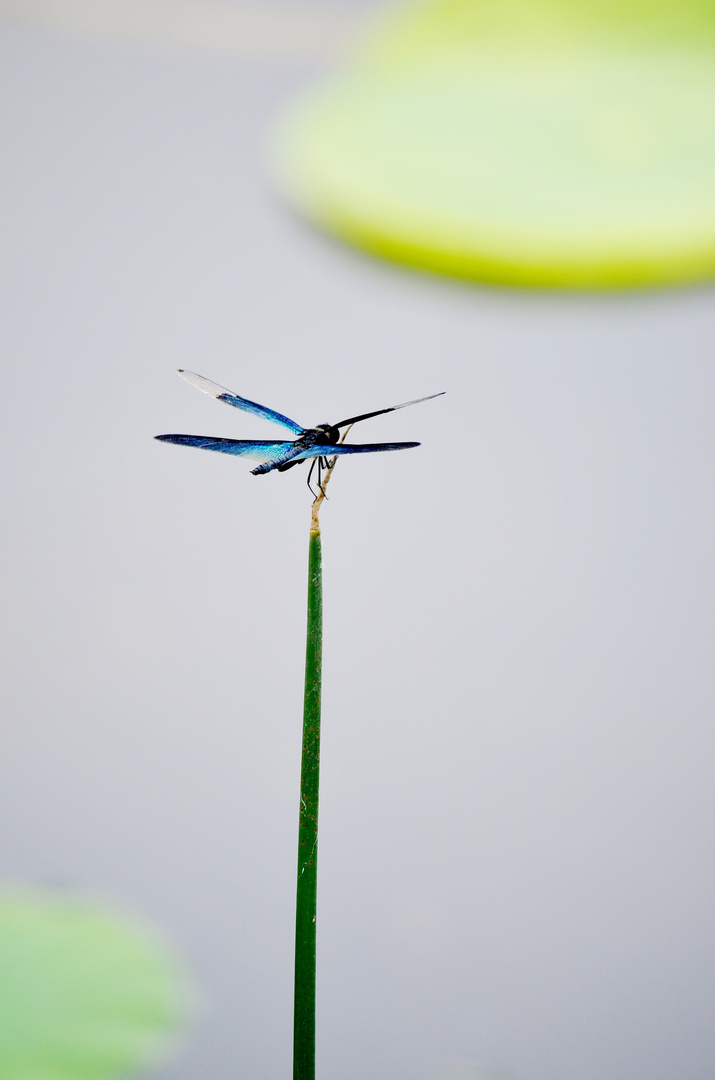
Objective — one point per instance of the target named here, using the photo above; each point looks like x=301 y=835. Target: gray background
x=517 y=798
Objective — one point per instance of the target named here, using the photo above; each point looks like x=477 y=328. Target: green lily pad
x=85 y=994
x=532 y=142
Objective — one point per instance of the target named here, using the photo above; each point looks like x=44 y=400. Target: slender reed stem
x=304 y=1007
x=305 y=912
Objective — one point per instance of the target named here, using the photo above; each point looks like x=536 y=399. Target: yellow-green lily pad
x=531 y=142
x=85 y=994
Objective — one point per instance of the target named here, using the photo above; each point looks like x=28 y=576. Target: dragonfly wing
x=221 y=394
x=392 y=408
x=360 y=448
x=268 y=453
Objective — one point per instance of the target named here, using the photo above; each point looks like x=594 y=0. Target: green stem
x=304 y=1001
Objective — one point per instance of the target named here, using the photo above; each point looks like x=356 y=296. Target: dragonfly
x=315 y=444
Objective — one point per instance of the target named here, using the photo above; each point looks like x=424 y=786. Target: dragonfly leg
x=322 y=464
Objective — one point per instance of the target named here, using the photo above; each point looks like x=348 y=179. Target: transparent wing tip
x=205 y=385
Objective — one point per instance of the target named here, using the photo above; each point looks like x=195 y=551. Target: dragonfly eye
x=332 y=433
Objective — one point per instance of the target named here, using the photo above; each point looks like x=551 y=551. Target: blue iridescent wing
x=359 y=448
x=221 y=394
x=270 y=453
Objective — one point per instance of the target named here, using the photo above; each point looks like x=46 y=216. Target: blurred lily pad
x=85 y=993
x=562 y=143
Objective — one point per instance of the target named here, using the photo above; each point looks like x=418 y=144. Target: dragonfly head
x=328 y=434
